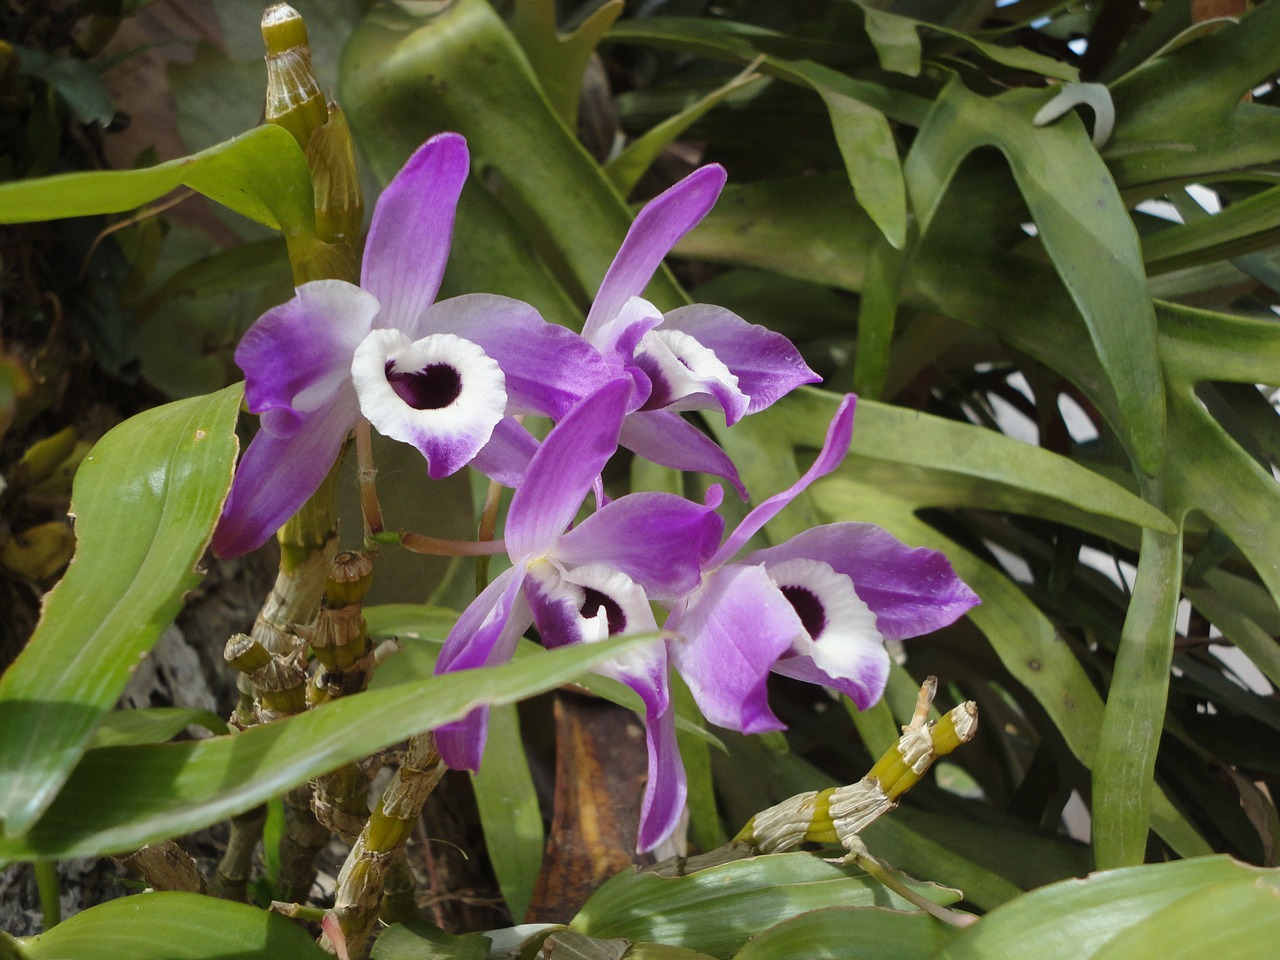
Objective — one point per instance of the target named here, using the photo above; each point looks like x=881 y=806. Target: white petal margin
x=558 y=596
x=449 y=435
x=688 y=371
x=848 y=636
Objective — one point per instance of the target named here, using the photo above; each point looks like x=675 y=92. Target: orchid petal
x=667 y=438
x=836 y=445
x=864 y=685
x=563 y=470
x=660 y=540
x=442 y=394
x=911 y=591
x=657 y=227
x=685 y=375
x=733 y=628
x=667 y=786
x=297 y=355
x=411 y=230
x=766 y=363
x=548 y=368
x=506 y=456
x=277 y=475
x=485 y=634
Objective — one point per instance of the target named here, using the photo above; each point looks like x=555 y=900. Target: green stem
x=47 y=883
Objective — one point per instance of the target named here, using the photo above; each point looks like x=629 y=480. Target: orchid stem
x=370 y=507
x=440 y=547
x=47 y=884
x=488 y=524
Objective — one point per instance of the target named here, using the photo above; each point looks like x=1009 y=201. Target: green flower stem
x=47 y=884
x=303 y=839
x=361 y=883
x=399 y=903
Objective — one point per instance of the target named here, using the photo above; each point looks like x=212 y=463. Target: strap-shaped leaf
x=146 y=500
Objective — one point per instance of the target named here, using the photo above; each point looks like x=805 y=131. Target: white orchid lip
x=838 y=626
x=443 y=394
x=679 y=367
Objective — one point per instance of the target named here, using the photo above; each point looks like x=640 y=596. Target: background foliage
x=1037 y=239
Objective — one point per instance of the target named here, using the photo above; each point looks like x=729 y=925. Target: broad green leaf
x=1182 y=116
x=717 y=909
x=261 y=175
x=808 y=228
x=1248 y=225
x=1124 y=764
x=1098 y=259
x=626 y=169
x=896 y=41
x=119 y=798
x=173 y=926
x=1228 y=921
x=939 y=462
x=509 y=811
x=146 y=500
x=422 y=940
x=405 y=77
x=1077 y=919
x=152 y=725
x=559 y=60
x=868 y=933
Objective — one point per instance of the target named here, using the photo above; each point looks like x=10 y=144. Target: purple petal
x=297 y=355
x=836 y=445
x=277 y=475
x=733 y=629
x=669 y=439
x=766 y=364
x=563 y=470
x=442 y=394
x=412 y=227
x=658 y=226
x=666 y=789
x=660 y=540
x=863 y=686
x=485 y=634
x=506 y=456
x=549 y=368
x=911 y=591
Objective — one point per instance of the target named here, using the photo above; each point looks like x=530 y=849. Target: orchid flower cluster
x=452 y=377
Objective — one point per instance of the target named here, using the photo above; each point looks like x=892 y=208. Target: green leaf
x=261 y=175
x=1077 y=919
x=1098 y=259
x=868 y=933
x=1124 y=764
x=146 y=498
x=717 y=909
x=173 y=926
x=560 y=60
x=406 y=77
x=509 y=811
x=119 y=798
x=426 y=941
x=626 y=169
x=151 y=725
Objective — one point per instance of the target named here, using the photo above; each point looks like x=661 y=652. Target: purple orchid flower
x=695 y=357
x=817 y=607
x=592 y=582
x=441 y=376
